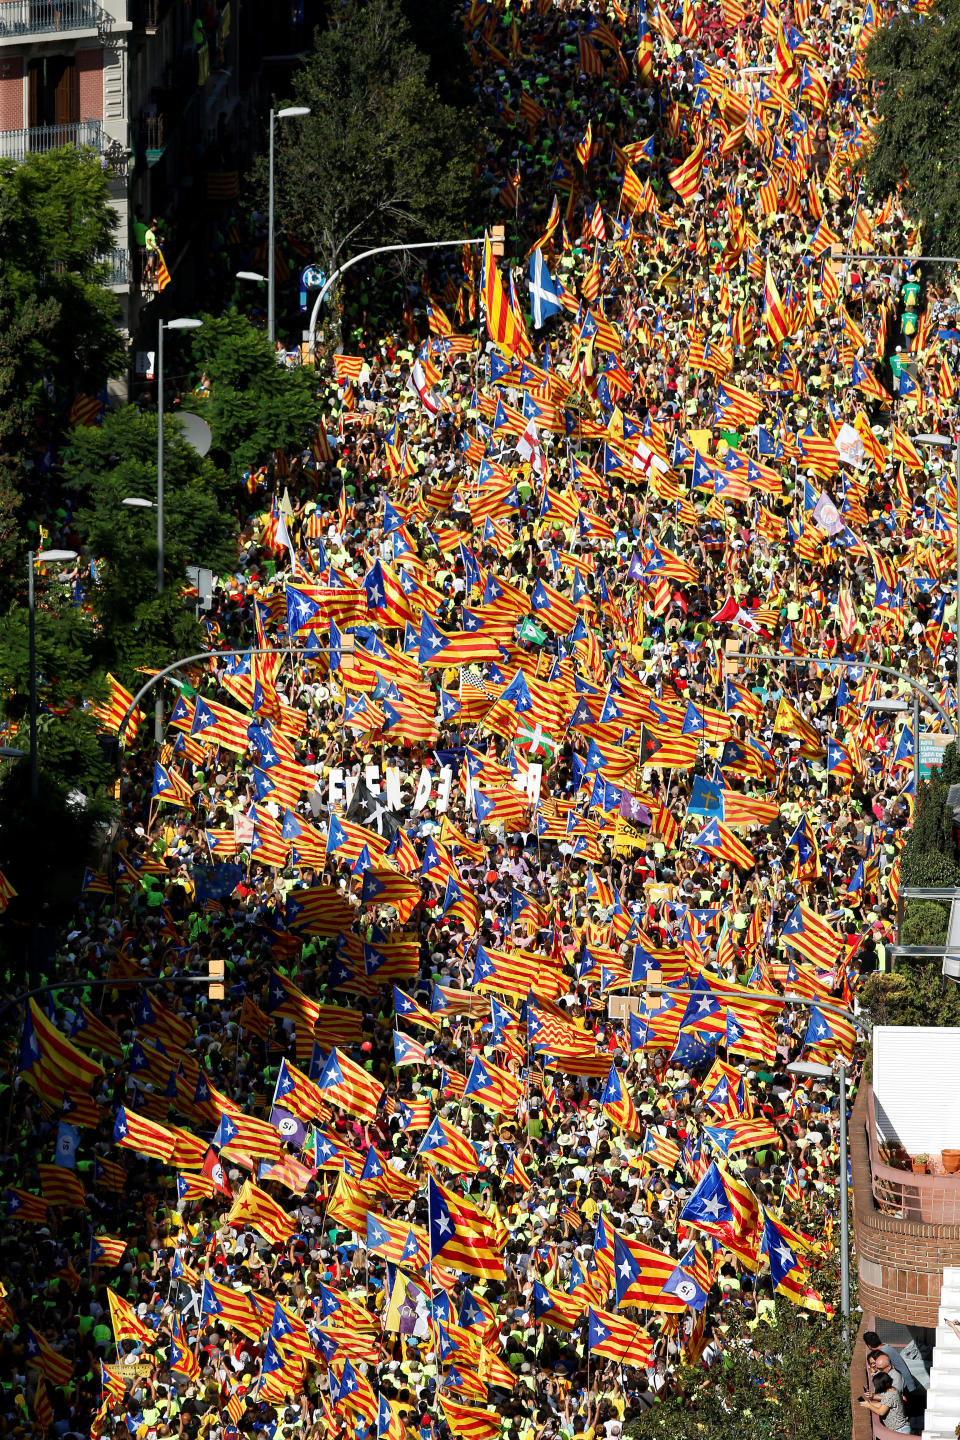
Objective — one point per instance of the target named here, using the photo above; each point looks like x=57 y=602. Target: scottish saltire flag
x=543 y=295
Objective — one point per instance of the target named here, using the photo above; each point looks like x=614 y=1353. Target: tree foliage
x=381 y=158
x=436 y=28
x=917 y=61
x=58 y=332
x=106 y=463
x=930 y=854
x=792 y=1383
x=254 y=405
x=42 y=841
x=916 y=994
x=924 y=923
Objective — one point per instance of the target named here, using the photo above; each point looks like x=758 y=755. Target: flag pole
x=433 y=1308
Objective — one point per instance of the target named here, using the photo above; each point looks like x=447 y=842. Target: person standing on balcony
x=151 y=242
x=880 y=1362
x=886 y=1404
x=908 y=1362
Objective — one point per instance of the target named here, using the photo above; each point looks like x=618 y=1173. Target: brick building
x=906 y=1219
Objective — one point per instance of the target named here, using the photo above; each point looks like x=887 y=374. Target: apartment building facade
x=152 y=86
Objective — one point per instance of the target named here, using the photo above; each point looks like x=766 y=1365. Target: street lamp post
x=366 y=255
x=32 y=558
x=183 y=324
x=825 y=1072
x=900 y=707
x=830 y=662
x=290 y=112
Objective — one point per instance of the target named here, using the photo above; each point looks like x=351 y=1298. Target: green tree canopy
x=792 y=1383
x=916 y=994
x=930 y=854
x=381 y=158
x=58 y=332
x=44 y=843
x=103 y=465
x=255 y=406
x=917 y=61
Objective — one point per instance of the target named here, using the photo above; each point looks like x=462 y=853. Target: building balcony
x=45 y=19
x=118 y=269
x=906 y=1227
x=39 y=139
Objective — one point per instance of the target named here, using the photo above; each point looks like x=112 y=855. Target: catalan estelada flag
x=716 y=839
x=617 y=1104
x=47 y=1049
x=106 y=1249
x=814 y=937
x=217 y=724
x=347 y=1084
x=493 y=1087
x=787 y=1274
x=617 y=1338
x=234 y=1308
x=182 y=1359
x=111 y=712
x=462 y=1237
x=136 y=1132
x=41 y=1354
x=827 y=1033
x=444 y=1144
x=640 y=1272
x=89 y=1031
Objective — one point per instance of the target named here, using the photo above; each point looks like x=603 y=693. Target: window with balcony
x=53 y=89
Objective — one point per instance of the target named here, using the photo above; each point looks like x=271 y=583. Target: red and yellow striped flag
x=255 y=1207
x=111 y=712
x=40 y=1353
x=182 y=1359
x=466 y=1422
x=617 y=1338
x=347 y=368
x=502 y=325
x=42 y=1409
x=345 y=1083
x=106 y=1250
x=685 y=179
x=62 y=1187
x=135 y=1132
x=7 y=892
x=47 y=1049
x=775 y=318
x=125 y=1321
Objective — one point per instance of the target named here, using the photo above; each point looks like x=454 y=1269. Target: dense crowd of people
x=520 y=881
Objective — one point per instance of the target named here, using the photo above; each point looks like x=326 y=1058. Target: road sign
x=311 y=278
x=202 y=578
x=931 y=751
